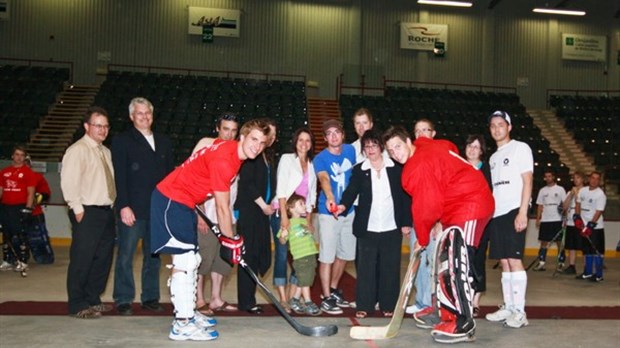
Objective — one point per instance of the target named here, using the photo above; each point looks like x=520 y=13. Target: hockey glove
x=591 y=225
x=579 y=225
x=232 y=249
x=586 y=231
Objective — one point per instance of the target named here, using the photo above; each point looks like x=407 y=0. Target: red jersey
x=41 y=187
x=444 y=187
x=15 y=180
x=209 y=169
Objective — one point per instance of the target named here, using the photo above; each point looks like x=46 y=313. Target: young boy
x=304 y=251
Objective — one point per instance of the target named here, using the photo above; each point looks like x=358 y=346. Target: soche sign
x=422 y=36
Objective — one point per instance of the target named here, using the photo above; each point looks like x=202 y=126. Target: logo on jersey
x=338 y=176
x=506 y=162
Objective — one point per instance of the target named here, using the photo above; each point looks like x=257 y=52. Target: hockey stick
x=391 y=330
x=553 y=240
x=593 y=247
x=317 y=331
x=561 y=247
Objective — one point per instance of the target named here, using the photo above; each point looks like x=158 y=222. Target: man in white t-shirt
x=512 y=168
x=362 y=121
x=589 y=208
x=549 y=219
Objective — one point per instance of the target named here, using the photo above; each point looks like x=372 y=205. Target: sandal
x=204 y=309
x=87 y=313
x=225 y=307
x=388 y=314
x=361 y=314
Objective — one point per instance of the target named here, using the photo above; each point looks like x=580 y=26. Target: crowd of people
x=383 y=187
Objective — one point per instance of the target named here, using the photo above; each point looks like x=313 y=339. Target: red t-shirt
x=444 y=187
x=15 y=180
x=41 y=187
x=209 y=169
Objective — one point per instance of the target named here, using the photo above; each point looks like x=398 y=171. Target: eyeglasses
x=100 y=126
x=475 y=147
x=371 y=146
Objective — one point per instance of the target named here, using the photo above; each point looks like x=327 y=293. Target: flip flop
x=361 y=314
x=225 y=307
x=206 y=310
x=388 y=314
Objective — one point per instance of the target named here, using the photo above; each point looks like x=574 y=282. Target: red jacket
x=444 y=187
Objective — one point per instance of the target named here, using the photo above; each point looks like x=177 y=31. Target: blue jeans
x=124 y=286
x=423 y=279
x=281 y=256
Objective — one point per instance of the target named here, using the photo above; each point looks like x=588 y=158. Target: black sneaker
x=152 y=306
x=329 y=306
x=124 y=309
x=569 y=270
x=596 y=279
x=584 y=276
x=340 y=301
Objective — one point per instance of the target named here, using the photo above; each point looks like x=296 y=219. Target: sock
x=588 y=264
x=519 y=286
x=542 y=254
x=507 y=290
x=562 y=257
x=598 y=260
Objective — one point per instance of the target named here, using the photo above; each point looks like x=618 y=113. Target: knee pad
x=454 y=291
x=182 y=283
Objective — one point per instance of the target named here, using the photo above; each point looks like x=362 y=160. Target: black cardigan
x=361 y=184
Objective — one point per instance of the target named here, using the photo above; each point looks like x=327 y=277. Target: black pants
x=14 y=238
x=92 y=246
x=378 y=270
x=478 y=264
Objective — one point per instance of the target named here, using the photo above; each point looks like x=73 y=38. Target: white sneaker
x=183 y=330
x=500 y=315
x=203 y=320
x=20 y=267
x=517 y=320
x=540 y=266
x=413 y=309
x=5 y=266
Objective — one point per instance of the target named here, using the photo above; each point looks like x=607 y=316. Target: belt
x=100 y=207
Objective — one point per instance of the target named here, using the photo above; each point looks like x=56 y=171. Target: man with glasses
x=141 y=159
x=87 y=183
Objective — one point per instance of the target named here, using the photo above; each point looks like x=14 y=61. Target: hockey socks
x=598 y=262
x=589 y=264
x=507 y=290
x=519 y=287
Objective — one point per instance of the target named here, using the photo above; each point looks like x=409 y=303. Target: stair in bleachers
x=562 y=141
x=57 y=128
x=320 y=110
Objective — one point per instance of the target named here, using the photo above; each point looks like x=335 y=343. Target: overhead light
x=446 y=3
x=558 y=11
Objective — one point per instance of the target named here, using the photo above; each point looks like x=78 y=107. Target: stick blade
x=318 y=331
x=369 y=332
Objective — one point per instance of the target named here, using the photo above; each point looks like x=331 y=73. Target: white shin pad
x=182 y=283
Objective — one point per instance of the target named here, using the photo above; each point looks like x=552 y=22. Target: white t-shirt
x=591 y=201
x=359 y=154
x=551 y=197
x=507 y=164
x=381 y=218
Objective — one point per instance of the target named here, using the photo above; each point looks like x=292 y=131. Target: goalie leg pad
x=182 y=283
x=454 y=291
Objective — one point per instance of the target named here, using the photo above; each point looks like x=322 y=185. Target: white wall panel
x=320 y=39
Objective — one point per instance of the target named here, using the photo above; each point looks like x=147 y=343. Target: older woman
x=382 y=213
x=295 y=175
x=474 y=154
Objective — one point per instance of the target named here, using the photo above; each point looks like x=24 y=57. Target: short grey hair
x=140 y=100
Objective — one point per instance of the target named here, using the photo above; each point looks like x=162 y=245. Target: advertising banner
x=420 y=36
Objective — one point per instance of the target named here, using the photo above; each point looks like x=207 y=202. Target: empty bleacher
x=456 y=114
x=187 y=106
x=591 y=121
x=27 y=93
